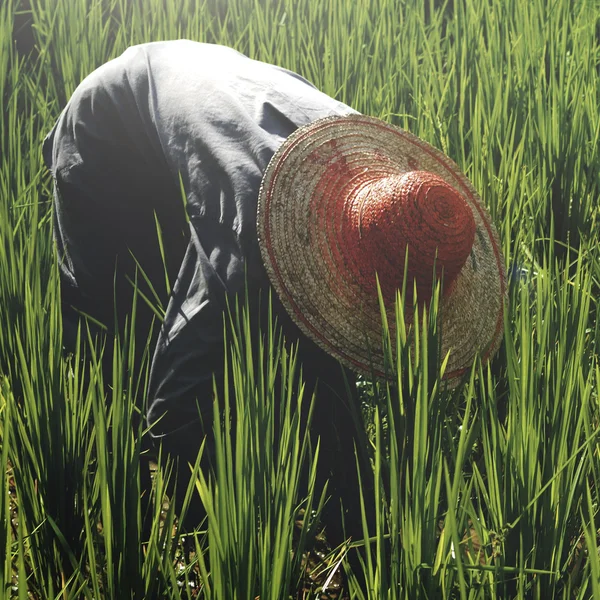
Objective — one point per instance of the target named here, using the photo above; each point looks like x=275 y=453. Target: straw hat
x=340 y=201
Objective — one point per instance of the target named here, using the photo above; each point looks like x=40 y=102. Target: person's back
x=214 y=115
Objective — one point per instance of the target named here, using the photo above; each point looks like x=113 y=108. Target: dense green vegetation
x=491 y=490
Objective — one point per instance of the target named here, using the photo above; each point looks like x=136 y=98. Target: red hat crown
x=418 y=211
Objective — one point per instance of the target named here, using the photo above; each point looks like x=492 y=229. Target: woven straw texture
x=343 y=198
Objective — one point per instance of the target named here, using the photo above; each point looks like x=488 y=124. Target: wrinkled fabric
x=177 y=132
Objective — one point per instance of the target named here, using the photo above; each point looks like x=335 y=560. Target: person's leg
x=98 y=223
x=179 y=453
x=337 y=424
x=104 y=214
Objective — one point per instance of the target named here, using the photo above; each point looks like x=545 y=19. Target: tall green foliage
x=486 y=491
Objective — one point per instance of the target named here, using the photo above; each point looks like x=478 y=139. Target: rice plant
x=489 y=490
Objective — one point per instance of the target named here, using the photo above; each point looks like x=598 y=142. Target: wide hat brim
x=295 y=226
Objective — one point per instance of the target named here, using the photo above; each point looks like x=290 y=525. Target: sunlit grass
x=489 y=490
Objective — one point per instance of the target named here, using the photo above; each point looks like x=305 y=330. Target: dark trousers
x=336 y=423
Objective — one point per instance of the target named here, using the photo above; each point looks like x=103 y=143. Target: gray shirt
x=213 y=118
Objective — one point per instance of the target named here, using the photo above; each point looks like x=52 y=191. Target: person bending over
x=259 y=182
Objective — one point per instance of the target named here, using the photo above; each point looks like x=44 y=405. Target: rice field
x=490 y=490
